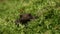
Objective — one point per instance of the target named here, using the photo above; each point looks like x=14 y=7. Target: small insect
x=24 y=19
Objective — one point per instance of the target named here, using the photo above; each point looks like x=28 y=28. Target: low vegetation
x=48 y=12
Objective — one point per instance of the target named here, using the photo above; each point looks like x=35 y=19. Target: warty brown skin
x=24 y=19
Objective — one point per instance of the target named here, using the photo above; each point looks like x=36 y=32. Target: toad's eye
x=29 y=14
x=20 y=15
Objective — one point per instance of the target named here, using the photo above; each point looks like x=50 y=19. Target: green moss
x=48 y=12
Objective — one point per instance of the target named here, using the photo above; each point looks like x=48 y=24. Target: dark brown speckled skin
x=24 y=18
